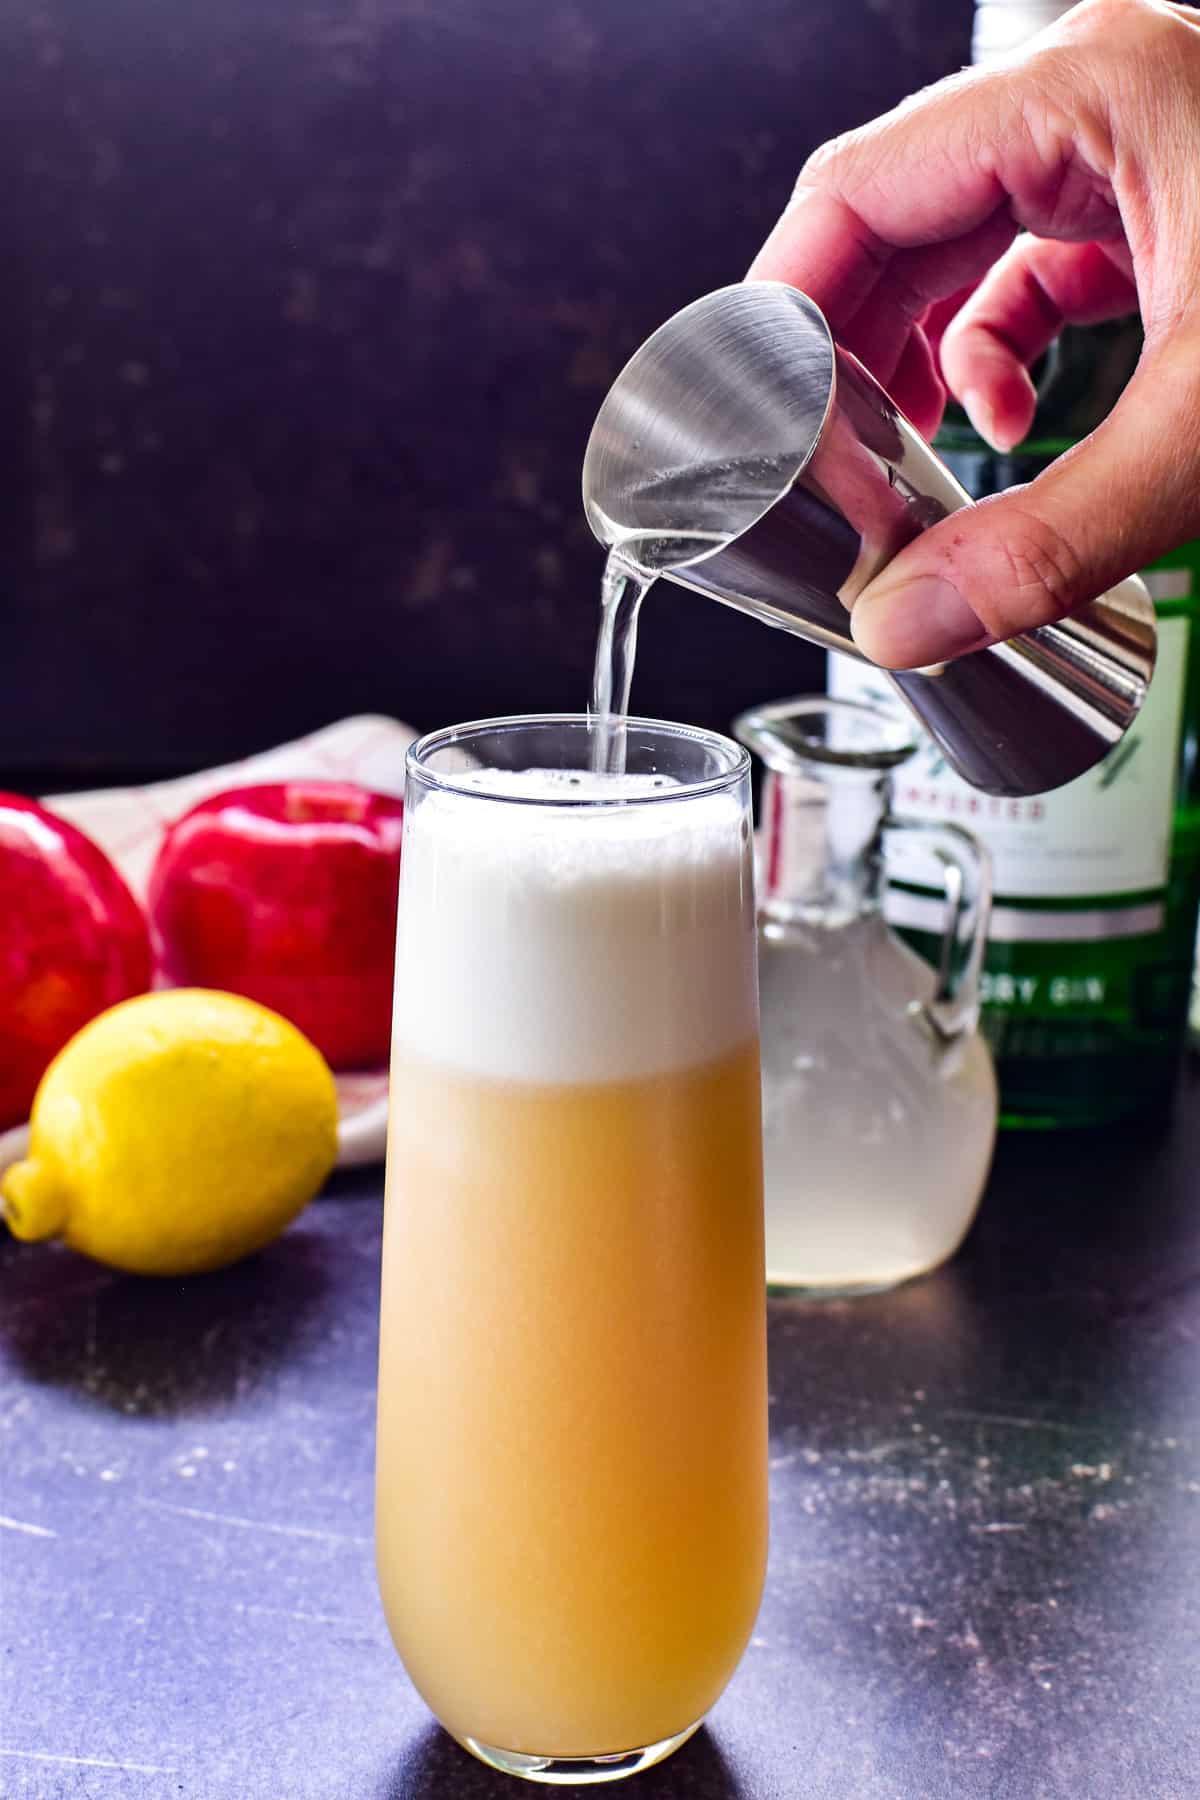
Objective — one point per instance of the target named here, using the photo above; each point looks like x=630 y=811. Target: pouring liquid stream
x=623 y=588
x=631 y=568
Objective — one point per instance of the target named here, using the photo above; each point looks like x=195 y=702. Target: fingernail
x=976 y=407
x=982 y=415
x=906 y=624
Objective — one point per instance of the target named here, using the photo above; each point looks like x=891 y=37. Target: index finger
x=822 y=245
x=919 y=188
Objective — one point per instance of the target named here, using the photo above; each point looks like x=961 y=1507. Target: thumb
x=1124 y=496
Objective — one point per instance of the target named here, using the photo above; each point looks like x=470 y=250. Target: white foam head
x=574 y=943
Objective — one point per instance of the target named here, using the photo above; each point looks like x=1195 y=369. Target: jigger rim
x=739 y=294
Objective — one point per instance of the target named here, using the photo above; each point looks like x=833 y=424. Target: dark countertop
x=985 y=1575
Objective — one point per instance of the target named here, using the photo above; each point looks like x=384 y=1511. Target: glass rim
x=417 y=768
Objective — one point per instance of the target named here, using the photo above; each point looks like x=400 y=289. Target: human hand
x=1062 y=186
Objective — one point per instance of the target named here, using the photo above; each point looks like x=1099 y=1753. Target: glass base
x=580 y=1770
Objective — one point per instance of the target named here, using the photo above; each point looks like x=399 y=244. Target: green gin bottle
x=1089 y=963
x=1091 y=949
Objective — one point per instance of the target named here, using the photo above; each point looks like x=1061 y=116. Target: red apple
x=73 y=941
x=287 y=892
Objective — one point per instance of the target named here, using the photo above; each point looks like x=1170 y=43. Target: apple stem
x=34 y=1201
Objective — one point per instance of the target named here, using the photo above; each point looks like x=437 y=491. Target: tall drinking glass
x=571 y=1485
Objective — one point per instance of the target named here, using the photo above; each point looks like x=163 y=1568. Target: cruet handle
x=952 y=1011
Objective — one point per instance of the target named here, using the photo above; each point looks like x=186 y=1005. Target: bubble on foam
x=574 y=942
x=584 y=786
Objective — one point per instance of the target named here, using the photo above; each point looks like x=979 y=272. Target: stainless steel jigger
x=742 y=453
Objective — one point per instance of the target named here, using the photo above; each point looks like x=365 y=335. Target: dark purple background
x=305 y=310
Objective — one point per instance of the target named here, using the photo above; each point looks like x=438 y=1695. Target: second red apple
x=287 y=892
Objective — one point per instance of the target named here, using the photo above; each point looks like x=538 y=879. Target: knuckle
x=1120 y=28
x=1101 y=18
x=823 y=167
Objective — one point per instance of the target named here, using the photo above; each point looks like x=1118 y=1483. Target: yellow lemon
x=175 y=1133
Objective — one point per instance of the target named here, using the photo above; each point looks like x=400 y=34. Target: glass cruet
x=879 y=1095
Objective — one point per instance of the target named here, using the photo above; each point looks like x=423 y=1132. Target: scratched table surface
x=985 y=1575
